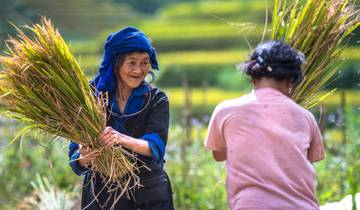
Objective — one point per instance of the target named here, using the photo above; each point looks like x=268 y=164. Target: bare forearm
x=137 y=145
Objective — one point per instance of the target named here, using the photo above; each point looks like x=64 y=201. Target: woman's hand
x=110 y=137
x=87 y=155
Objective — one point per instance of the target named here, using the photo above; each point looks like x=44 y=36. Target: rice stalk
x=44 y=86
x=320 y=29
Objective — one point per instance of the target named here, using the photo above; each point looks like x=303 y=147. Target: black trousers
x=156 y=194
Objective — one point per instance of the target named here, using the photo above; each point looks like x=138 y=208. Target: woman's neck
x=123 y=92
x=282 y=86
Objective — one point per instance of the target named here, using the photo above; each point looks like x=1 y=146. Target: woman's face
x=134 y=69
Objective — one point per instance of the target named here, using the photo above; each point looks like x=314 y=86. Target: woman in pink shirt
x=268 y=141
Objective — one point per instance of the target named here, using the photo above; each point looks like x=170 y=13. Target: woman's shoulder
x=309 y=116
x=236 y=105
x=158 y=95
x=156 y=91
x=237 y=102
x=300 y=110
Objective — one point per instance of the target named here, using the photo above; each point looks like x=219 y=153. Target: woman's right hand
x=87 y=155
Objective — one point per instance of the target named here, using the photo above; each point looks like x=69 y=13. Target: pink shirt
x=270 y=142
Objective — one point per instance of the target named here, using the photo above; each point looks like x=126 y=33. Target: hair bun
x=275 y=59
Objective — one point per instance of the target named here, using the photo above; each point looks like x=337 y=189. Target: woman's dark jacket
x=150 y=124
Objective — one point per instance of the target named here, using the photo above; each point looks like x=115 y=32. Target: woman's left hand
x=110 y=137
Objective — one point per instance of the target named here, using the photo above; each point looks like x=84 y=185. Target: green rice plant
x=43 y=85
x=319 y=29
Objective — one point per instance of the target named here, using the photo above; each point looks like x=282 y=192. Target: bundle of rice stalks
x=44 y=86
x=319 y=29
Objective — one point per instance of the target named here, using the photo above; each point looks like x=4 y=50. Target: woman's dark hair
x=275 y=59
x=119 y=61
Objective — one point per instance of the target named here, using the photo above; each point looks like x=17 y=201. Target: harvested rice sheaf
x=320 y=29
x=43 y=85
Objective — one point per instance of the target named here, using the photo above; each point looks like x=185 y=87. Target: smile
x=135 y=77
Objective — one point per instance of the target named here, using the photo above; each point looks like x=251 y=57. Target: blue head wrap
x=127 y=40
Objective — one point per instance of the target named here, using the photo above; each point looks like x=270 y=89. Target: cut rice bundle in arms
x=43 y=85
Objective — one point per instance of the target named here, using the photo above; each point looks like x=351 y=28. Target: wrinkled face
x=134 y=69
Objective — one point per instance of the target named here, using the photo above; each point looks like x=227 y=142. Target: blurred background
x=199 y=44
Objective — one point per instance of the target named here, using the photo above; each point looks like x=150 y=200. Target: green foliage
x=209 y=42
x=193 y=59
x=76 y=19
x=338 y=174
x=219 y=76
x=198 y=182
x=173 y=76
x=210 y=65
x=145 y=6
x=188 y=36
x=185 y=35
x=225 y=9
x=234 y=80
x=19 y=166
x=352 y=151
x=348 y=77
x=216 y=95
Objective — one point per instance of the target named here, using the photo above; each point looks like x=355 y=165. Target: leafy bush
x=198 y=182
x=20 y=161
x=338 y=174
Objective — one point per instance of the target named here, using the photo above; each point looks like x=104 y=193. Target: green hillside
x=203 y=38
x=75 y=19
x=206 y=40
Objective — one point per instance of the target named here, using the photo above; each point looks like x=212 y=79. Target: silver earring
x=290 y=89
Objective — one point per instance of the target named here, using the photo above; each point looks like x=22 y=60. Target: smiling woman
x=138 y=121
x=130 y=71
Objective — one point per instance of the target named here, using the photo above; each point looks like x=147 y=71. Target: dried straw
x=320 y=29
x=43 y=85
